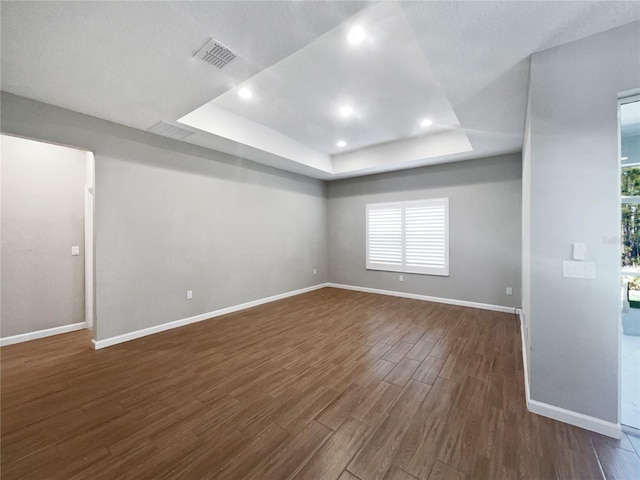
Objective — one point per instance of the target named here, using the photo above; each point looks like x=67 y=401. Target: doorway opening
x=47 y=254
x=629 y=115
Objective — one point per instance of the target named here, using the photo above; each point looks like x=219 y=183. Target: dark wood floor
x=327 y=385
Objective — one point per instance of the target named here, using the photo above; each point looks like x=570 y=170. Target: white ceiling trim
x=222 y=123
x=444 y=146
x=415 y=151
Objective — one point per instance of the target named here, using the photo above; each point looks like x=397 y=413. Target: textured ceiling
x=132 y=62
x=464 y=63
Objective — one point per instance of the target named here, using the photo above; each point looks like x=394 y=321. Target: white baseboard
x=24 y=337
x=574 y=418
x=415 y=296
x=525 y=358
x=561 y=414
x=107 y=342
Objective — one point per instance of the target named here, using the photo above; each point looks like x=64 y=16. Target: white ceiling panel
x=386 y=79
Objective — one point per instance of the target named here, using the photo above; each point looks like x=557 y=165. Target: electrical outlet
x=189 y=294
x=509 y=291
x=314 y=271
x=401 y=278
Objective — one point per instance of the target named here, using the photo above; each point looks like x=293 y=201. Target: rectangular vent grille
x=215 y=54
x=171 y=131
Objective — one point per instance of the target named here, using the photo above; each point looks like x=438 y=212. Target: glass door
x=630 y=261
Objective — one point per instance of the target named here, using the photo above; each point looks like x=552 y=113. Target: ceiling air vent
x=215 y=54
x=171 y=131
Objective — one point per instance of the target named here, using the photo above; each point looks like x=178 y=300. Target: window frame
x=403 y=267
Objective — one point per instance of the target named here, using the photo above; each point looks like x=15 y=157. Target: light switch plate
x=579 y=250
x=75 y=250
x=571 y=269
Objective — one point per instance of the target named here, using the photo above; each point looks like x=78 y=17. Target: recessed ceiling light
x=245 y=93
x=346 y=111
x=341 y=143
x=426 y=123
x=356 y=35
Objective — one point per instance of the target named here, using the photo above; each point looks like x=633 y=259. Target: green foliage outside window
x=630 y=184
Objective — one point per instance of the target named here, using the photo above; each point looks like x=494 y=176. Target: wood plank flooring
x=328 y=385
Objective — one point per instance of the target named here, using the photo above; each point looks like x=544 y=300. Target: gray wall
x=575 y=198
x=484 y=211
x=42 y=218
x=172 y=217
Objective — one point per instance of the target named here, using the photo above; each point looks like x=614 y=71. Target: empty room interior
x=325 y=240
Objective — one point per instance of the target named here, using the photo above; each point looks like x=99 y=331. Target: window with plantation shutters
x=384 y=236
x=411 y=237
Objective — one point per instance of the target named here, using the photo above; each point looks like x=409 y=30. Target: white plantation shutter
x=427 y=236
x=384 y=236
x=410 y=237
